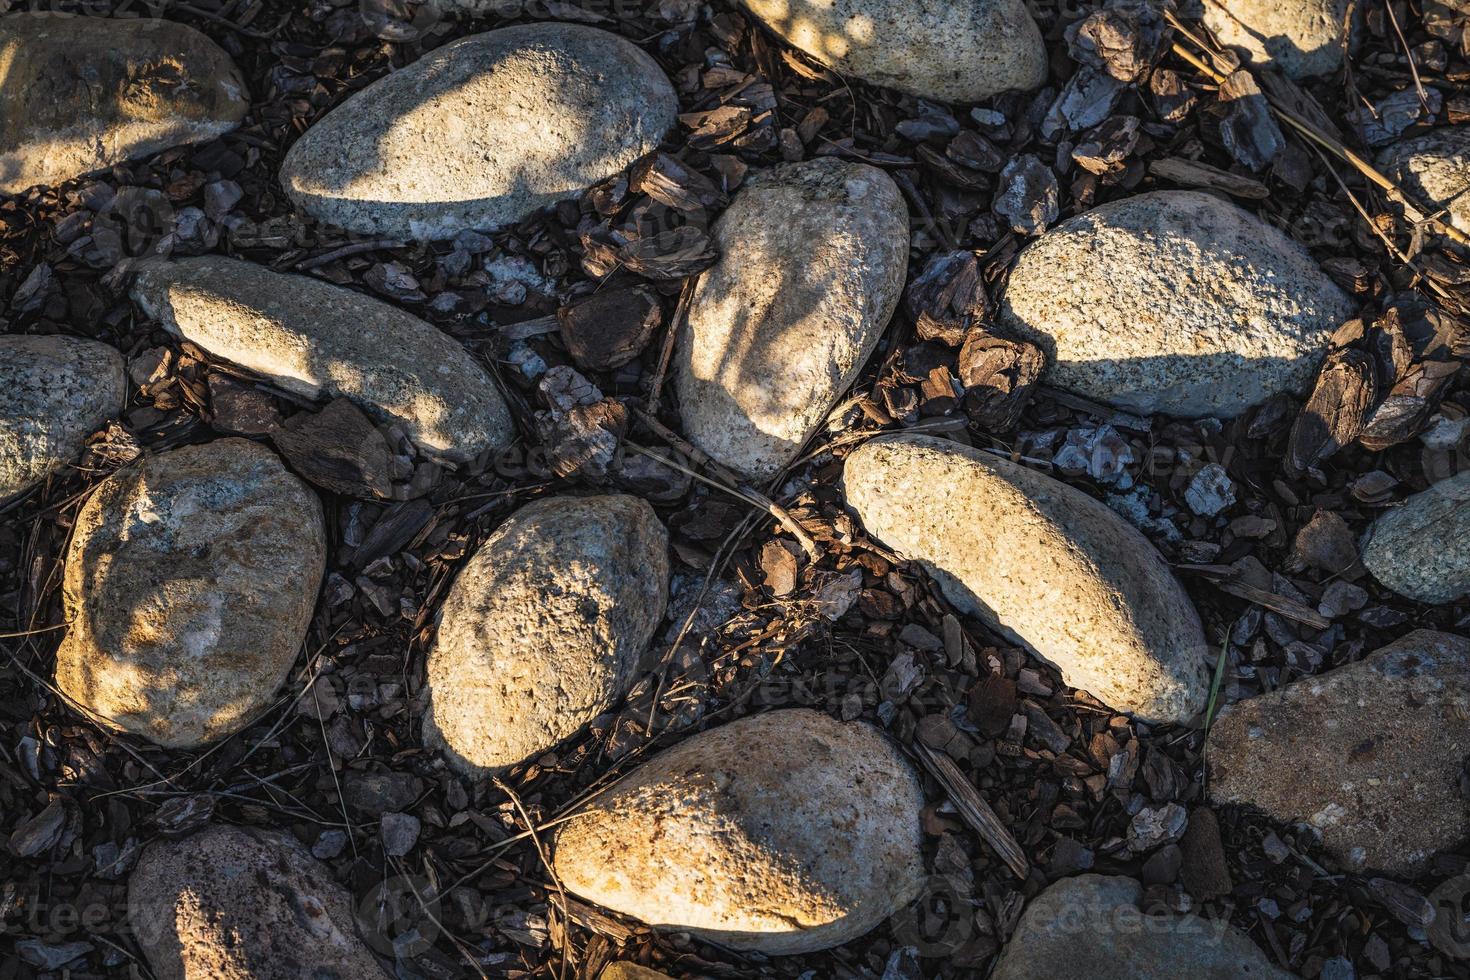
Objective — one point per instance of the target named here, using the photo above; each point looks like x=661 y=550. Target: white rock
x=316 y=339
x=783 y=833
x=1421 y=549
x=1211 y=490
x=545 y=628
x=244 y=904
x=1301 y=37
x=1043 y=562
x=1435 y=171
x=79 y=94
x=1092 y=925
x=954 y=52
x=54 y=393
x=813 y=260
x=482 y=132
x=1174 y=302
x=189 y=584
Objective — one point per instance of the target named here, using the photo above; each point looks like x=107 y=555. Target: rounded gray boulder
x=79 y=94
x=482 y=132
x=812 y=263
x=1173 y=302
x=1421 y=549
x=1303 y=38
x=1435 y=171
x=1042 y=562
x=190 y=581
x=545 y=628
x=240 y=902
x=313 y=339
x=782 y=833
x=54 y=393
x=954 y=52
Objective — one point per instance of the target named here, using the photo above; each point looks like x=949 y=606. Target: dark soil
x=753 y=626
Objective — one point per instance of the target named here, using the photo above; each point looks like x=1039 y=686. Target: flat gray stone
x=813 y=260
x=54 y=393
x=1434 y=169
x=1044 y=563
x=482 y=132
x=954 y=52
x=1421 y=549
x=316 y=339
x=545 y=628
x=241 y=902
x=1302 y=38
x=1091 y=925
x=1375 y=749
x=1173 y=302
x=783 y=833
x=79 y=94
x=190 y=581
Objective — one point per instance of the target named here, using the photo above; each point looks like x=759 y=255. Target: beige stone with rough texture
x=630 y=971
x=546 y=628
x=482 y=132
x=316 y=339
x=240 y=903
x=935 y=49
x=189 y=584
x=813 y=260
x=79 y=94
x=782 y=833
x=54 y=393
x=1434 y=169
x=1421 y=549
x=1045 y=563
x=1376 y=751
x=1174 y=302
x=1302 y=38
x=1092 y=926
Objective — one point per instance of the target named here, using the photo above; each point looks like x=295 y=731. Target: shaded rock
x=955 y=52
x=189 y=584
x=242 y=902
x=611 y=327
x=1173 y=302
x=482 y=132
x=783 y=833
x=1205 y=871
x=374 y=793
x=1044 y=563
x=1302 y=38
x=54 y=393
x=1421 y=549
x=80 y=94
x=813 y=259
x=1095 y=920
x=1376 y=750
x=313 y=339
x=545 y=628
x=1434 y=169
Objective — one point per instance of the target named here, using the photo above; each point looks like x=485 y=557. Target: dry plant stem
x=656 y=385
x=975 y=810
x=459 y=944
x=546 y=863
x=1408 y=54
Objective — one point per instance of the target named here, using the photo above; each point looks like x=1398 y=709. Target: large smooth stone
x=1092 y=925
x=79 y=94
x=54 y=393
x=482 y=132
x=954 y=52
x=1375 y=751
x=189 y=584
x=1174 y=302
x=1435 y=171
x=782 y=833
x=546 y=627
x=813 y=260
x=244 y=904
x=1044 y=563
x=316 y=339
x=1303 y=38
x=1421 y=549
